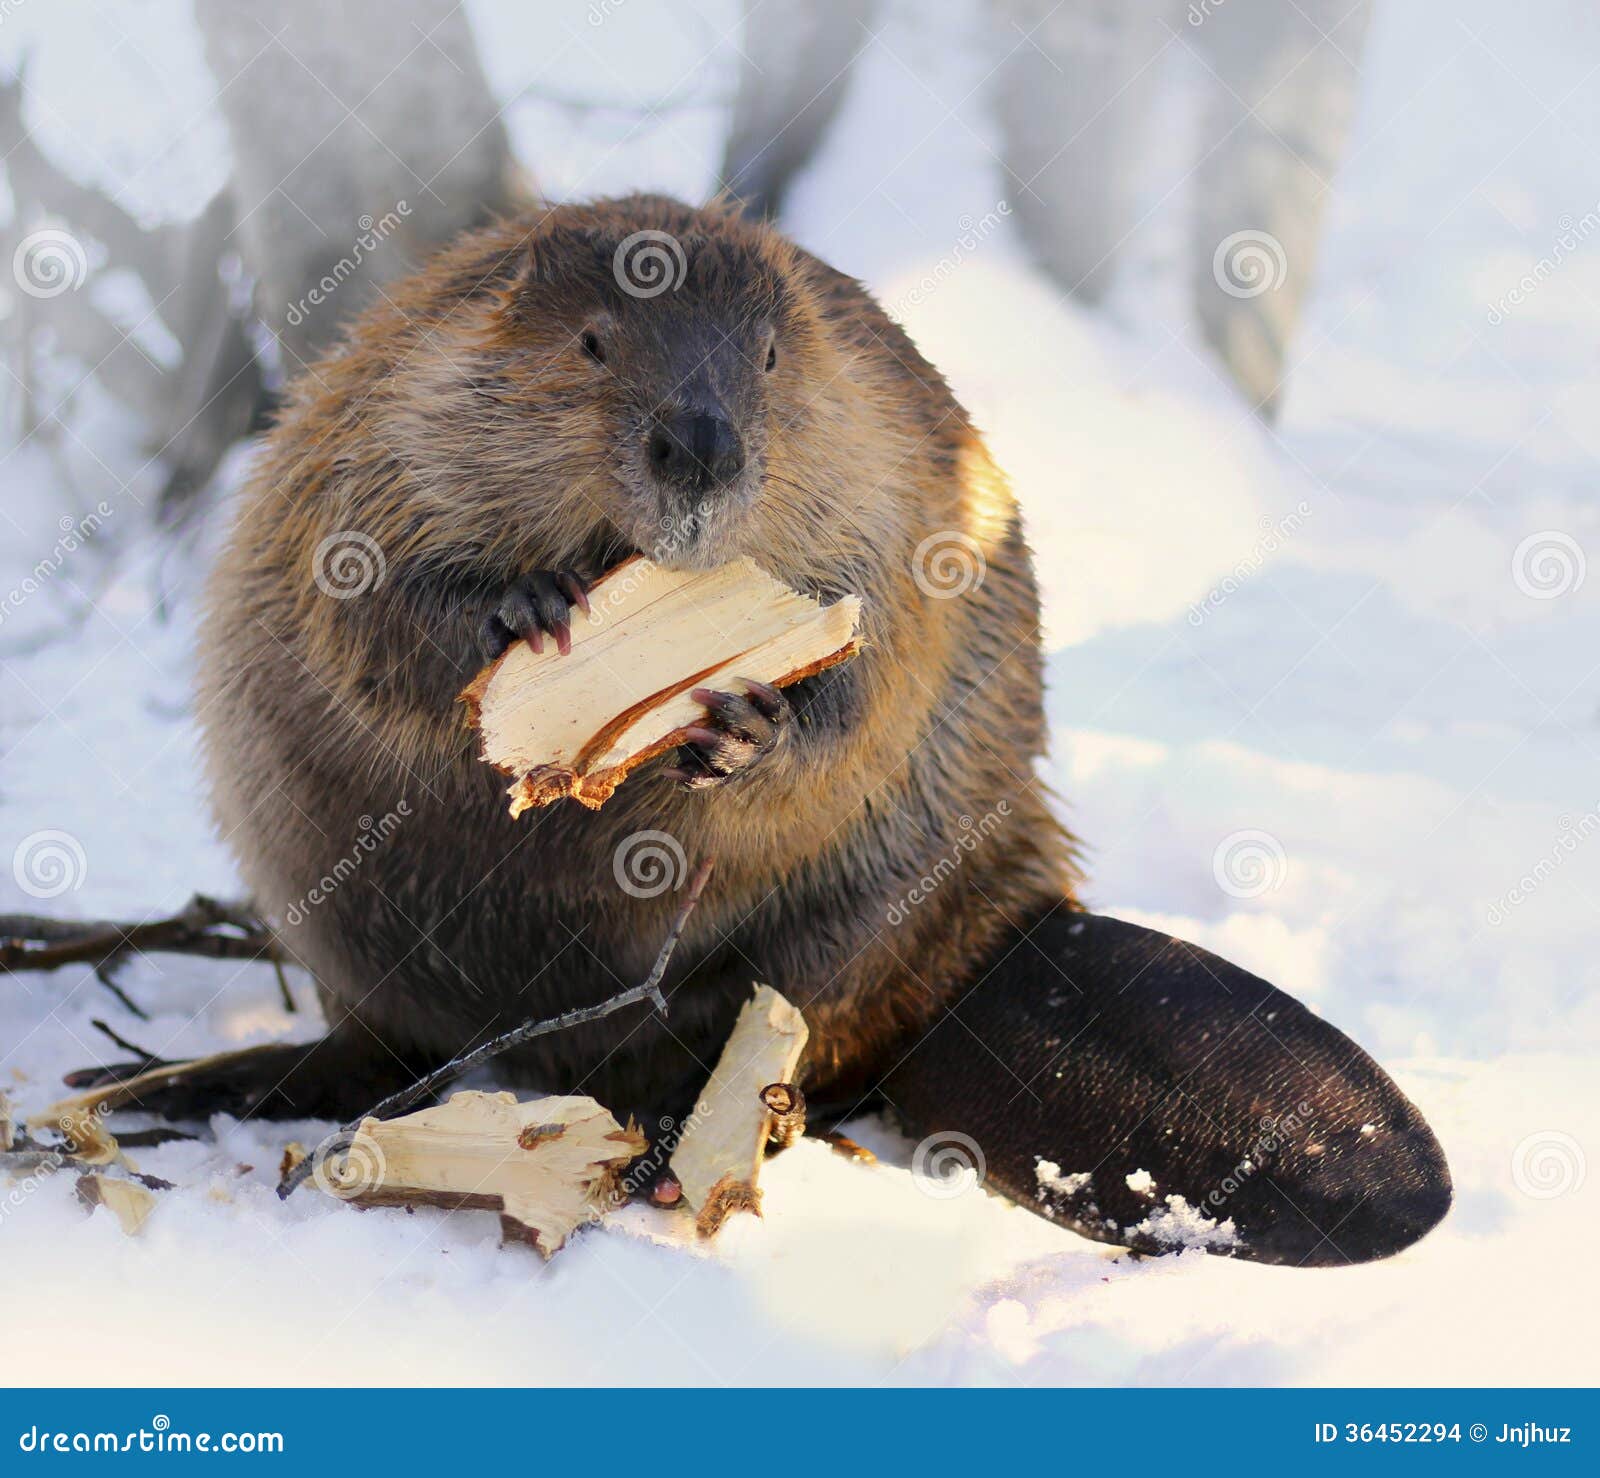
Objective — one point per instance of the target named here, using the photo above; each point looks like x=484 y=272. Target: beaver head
x=655 y=373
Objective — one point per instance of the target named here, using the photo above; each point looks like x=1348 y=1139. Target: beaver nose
x=695 y=448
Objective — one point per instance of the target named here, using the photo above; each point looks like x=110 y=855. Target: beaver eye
x=591 y=346
x=772 y=357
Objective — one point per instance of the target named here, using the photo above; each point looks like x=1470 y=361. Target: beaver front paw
x=536 y=605
x=739 y=731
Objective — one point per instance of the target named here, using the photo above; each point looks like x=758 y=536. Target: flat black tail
x=1145 y=1092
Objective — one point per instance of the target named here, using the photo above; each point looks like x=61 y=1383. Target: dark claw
x=740 y=729
x=536 y=605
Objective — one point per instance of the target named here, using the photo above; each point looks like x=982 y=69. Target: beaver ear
x=1143 y=1091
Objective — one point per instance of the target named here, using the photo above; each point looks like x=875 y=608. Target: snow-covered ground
x=1366 y=635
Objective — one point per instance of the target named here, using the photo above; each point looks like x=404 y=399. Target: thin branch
x=30 y=942
x=648 y=990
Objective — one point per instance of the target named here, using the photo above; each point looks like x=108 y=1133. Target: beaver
x=636 y=376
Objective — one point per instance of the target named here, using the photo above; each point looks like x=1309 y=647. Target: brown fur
x=463 y=428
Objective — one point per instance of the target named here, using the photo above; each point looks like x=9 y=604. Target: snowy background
x=1366 y=633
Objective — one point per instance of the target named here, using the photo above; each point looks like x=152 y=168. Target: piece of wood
x=8 y=1124
x=577 y=725
x=718 y=1159
x=127 y=1200
x=548 y=1165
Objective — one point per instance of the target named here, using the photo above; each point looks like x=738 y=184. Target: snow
x=1387 y=695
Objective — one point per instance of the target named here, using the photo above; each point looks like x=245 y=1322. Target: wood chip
x=127 y=1200
x=718 y=1159
x=577 y=725
x=8 y=1124
x=548 y=1165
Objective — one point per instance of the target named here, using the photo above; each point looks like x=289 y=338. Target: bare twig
x=425 y=1087
x=206 y=927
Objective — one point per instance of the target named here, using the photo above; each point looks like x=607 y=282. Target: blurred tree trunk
x=796 y=68
x=1280 y=82
x=363 y=136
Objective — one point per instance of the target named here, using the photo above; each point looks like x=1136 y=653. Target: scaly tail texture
x=1143 y=1091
